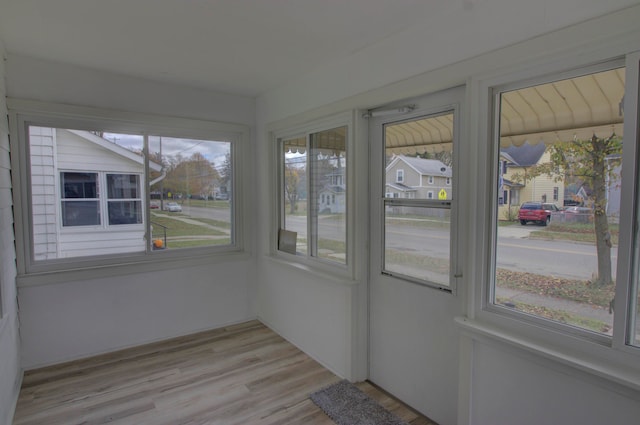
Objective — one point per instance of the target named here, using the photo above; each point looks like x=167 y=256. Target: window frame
x=276 y=136
x=496 y=91
x=25 y=113
x=607 y=357
x=449 y=101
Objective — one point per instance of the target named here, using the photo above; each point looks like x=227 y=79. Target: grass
x=557 y=315
x=577 y=232
x=197 y=243
x=574 y=290
x=437 y=265
x=180 y=228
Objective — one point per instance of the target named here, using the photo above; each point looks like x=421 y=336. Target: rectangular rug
x=346 y=404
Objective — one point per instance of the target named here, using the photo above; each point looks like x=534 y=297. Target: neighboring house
x=516 y=186
x=410 y=177
x=88 y=195
x=332 y=197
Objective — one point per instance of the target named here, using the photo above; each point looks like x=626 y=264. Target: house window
x=124 y=199
x=514 y=196
x=80 y=203
x=555 y=284
x=448 y=181
x=430 y=179
x=309 y=163
x=96 y=191
x=399 y=176
x=430 y=194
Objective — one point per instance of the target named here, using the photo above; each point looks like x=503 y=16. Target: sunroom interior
x=309 y=102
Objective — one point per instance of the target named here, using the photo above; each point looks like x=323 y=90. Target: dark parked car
x=537 y=212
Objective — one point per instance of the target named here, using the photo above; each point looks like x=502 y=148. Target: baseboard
x=137 y=344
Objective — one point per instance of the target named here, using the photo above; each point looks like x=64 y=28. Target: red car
x=536 y=212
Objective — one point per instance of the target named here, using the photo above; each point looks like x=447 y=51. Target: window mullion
x=629 y=244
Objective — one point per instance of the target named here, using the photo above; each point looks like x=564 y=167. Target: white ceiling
x=243 y=47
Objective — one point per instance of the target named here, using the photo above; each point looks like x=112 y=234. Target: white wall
x=10 y=372
x=85 y=316
x=511 y=387
x=320 y=315
x=69 y=320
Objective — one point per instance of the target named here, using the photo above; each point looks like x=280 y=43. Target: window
x=124 y=199
x=417 y=228
x=96 y=191
x=514 y=195
x=448 y=181
x=80 y=204
x=571 y=132
x=314 y=193
x=399 y=176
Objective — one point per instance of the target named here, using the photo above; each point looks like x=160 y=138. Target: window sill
x=327 y=272
x=603 y=369
x=146 y=264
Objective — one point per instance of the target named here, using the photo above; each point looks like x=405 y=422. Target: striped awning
x=566 y=110
x=332 y=142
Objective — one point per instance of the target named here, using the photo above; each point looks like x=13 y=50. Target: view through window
x=314 y=194
x=417 y=208
x=91 y=195
x=560 y=150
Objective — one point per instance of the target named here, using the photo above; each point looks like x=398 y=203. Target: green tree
x=593 y=161
x=291 y=184
x=226 y=173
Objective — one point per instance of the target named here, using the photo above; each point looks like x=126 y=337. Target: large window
x=314 y=194
x=561 y=257
x=95 y=191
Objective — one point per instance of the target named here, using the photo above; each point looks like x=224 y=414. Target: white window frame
x=430 y=180
x=400 y=176
x=279 y=133
x=610 y=358
x=23 y=113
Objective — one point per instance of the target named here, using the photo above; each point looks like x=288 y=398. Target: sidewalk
x=576 y=308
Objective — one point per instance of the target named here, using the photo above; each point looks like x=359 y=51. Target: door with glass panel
x=413 y=261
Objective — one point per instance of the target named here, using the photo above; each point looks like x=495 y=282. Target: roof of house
x=119 y=150
x=425 y=167
x=525 y=155
x=402 y=187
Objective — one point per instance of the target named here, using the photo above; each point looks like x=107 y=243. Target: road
x=515 y=250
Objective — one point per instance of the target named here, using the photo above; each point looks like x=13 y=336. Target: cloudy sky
x=213 y=151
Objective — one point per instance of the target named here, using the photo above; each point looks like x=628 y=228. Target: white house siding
x=333 y=202
x=43 y=192
x=10 y=371
x=57 y=150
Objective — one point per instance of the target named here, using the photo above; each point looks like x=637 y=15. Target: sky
x=171 y=146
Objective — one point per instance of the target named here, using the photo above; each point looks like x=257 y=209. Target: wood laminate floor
x=243 y=374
